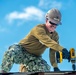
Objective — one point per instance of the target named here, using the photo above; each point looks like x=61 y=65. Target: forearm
x=52 y=57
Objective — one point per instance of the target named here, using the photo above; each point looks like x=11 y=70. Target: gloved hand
x=56 y=69
x=65 y=53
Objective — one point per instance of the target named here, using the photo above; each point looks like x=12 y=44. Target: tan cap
x=54 y=16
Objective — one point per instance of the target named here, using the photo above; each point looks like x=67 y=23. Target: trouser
x=52 y=52
x=17 y=54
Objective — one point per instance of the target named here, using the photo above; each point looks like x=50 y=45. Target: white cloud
x=29 y=13
x=50 y=4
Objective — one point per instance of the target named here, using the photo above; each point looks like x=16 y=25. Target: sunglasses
x=53 y=23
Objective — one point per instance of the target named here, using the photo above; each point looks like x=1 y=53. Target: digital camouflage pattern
x=17 y=54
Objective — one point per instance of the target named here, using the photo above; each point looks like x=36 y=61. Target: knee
x=11 y=50
x=14 y=48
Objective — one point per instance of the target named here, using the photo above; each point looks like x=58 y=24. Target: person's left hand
x=65 y=53
x=56 y=69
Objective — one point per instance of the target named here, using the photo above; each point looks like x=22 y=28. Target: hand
x=65 y=53
x=56 y=69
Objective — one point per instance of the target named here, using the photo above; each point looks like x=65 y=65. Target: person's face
x=50 y=26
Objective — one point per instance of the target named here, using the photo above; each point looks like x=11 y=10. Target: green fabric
x=39 y=39
x=17 y=54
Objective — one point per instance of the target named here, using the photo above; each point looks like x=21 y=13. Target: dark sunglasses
x=53 y=23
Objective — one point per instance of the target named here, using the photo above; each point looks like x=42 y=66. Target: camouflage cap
x=54 y=16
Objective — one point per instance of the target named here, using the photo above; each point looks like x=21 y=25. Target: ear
x=46 y=19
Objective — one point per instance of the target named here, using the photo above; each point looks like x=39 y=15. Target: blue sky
x=18 y=17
